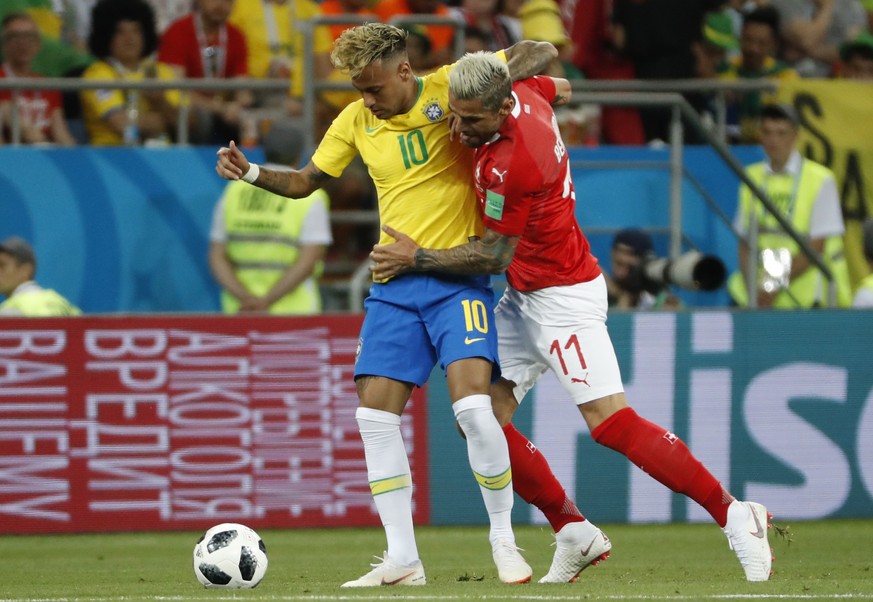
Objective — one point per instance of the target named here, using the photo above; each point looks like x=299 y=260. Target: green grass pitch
x=827 y=560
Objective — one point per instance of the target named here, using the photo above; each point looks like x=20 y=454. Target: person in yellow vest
x=24 y=297
x=805 y=193
x=266 y=250
x=864 y=294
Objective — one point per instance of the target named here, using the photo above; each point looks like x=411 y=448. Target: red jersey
x=524 y=188
x=34 y=106
x=185 y=45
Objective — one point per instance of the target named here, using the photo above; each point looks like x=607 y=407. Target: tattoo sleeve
x=528 y=58
x=294 y=184
x=491 y=254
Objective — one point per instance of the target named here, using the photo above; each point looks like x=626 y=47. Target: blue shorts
x=415 y=320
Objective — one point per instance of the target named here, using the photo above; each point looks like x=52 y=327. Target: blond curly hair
x=359 y=46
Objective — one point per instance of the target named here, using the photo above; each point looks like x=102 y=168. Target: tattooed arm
x=528 y=58
x=232 y=165
x=490 y=254
x=563 y=91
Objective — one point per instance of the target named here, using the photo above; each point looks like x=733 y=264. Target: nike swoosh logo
x=468 y=340
x=396 y=581
x=590 y=545
x=760 y=532
x=371 y=130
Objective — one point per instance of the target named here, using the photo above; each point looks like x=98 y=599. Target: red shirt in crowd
x=223 y=55
x=34 y=107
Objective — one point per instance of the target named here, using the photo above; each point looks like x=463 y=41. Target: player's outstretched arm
x=528 y=58
x=490 y=254
x=233 y=165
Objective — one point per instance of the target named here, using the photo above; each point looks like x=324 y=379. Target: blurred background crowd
x=289 y=41
x=228 y=39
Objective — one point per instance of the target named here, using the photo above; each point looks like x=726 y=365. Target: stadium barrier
x=127 y=229
x=135 y=423
x=149 y=423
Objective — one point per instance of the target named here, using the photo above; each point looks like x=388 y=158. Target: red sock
x=663 y=456
x=533 y=480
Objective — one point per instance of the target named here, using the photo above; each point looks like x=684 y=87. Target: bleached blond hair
x=359 y=46
x=481 y=75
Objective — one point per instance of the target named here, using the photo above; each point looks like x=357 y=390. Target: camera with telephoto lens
x=692 y=271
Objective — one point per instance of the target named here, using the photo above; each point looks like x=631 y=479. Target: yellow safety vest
x=794 y=197
x=263 y=234
x=866 y=283
x=41 y=303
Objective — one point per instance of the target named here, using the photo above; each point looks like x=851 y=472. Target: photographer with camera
x=625 y=284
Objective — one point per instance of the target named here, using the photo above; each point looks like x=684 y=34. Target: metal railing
x=628 y=93
x=682 y=110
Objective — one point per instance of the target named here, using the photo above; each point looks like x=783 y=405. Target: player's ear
x=404 y=70
x=506 y=107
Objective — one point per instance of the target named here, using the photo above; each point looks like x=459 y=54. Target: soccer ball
x=230 y=555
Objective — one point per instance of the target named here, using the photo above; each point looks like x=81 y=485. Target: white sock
x=390 y=480
x=489 y=459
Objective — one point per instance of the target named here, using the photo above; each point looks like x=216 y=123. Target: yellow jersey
x=96 y=104
x=272 y=32
x=424 y=181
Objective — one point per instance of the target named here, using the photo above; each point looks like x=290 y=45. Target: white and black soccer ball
x=231 y=556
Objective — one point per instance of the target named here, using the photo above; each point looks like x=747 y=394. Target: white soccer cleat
x=577 y=546
x=511 y=567
x=746 y=530
x=389 y=572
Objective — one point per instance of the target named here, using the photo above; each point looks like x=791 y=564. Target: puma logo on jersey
x=498 y=174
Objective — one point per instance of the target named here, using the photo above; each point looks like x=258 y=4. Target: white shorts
x=562 y=328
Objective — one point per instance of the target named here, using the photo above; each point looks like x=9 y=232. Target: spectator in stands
x=266 y=251
x=204 y=45
x=442 y=37
x=541 y=21
x=353 y=8
x=857 y=58
x=597 y=56
x=658 y=37
x=169 y=11
x=716 y=46
x=40 y=113
x=805 y=194
x=275 y=46
x=864 y=294
x=500 y=30
x=56 y=57
x=624 y=284
x=759 y=46
x=814 y=30
x=123 y=37
x=24 y=297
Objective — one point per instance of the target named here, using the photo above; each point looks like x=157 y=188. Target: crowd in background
x=137 y=40
x=226 y=39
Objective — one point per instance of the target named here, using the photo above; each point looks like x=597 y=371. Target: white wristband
x=252 y=174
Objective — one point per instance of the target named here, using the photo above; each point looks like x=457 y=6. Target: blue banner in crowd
x=116 y=229
x=127 y=230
